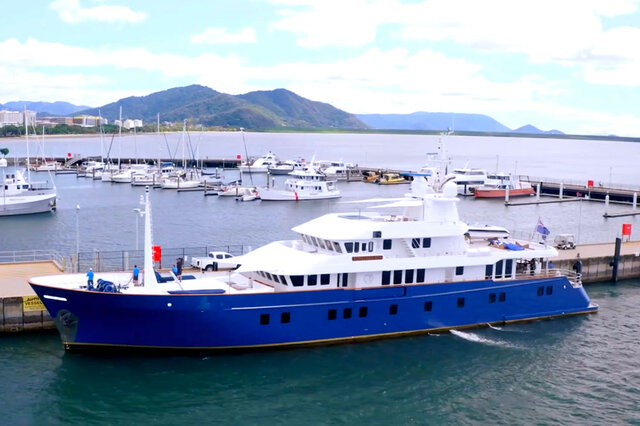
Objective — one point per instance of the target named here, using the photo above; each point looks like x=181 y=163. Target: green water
x=579 y=370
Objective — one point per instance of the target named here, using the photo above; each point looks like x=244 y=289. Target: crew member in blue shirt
x=136 y=272
x=90 y=277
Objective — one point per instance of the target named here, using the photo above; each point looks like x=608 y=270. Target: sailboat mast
x=26 y=133
x=120 y=138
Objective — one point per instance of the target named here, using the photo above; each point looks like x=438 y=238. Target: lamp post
x=138 y=214
x=78 y=236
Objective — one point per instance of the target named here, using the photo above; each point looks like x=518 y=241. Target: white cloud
x=568 y=32
x=72 y=12
x=221 y=36
x=376 y=81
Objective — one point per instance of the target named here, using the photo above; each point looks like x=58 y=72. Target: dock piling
x=616 y=260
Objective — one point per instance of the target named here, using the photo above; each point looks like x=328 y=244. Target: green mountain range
x=275 y=109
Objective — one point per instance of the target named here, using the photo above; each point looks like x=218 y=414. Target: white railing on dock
x=583 y=183
x=30 y=256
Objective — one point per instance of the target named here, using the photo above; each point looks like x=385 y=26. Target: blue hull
x=195 y=321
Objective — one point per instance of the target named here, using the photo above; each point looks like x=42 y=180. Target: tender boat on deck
x=349 y=277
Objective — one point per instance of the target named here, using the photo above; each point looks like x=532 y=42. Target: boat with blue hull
x=350 y=277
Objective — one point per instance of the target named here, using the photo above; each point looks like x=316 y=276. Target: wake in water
x=472 y=337
x=494 y=328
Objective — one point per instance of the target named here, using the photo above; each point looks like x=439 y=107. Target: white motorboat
x=18 y=195
x=307 y=184
x=287 y=167
x=260 y=165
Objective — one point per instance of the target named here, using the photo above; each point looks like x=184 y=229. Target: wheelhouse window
x=386 y=244
x=325 y=279
x=415 y=243
x=386 y=277
x=297 y=280
x=426 y=242
x=397 y=277
x=420 y=275
x=336 y=245
x=348 y=247
x=312 y=280
x=408 y=276
x=459 y=270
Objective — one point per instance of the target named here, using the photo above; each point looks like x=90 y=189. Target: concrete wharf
x=21 y=310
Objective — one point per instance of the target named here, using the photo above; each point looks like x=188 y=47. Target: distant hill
x=296 y=111
x=278 y=108
x=45 y=108
x=435 y=121
x=532 y=130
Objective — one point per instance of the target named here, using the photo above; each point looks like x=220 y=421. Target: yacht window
x=356 y=247
x=499 y=265
x=502 y=297
x=325 y=279
x=337 y=247
x=488 y=272
x=285 y=317
x=346 y=314
x=420 y=276
x=415 y=243
x=264 y=319
x=276 y=279
x=459 y=270
x=283 y=279
x=386 y=277
x=492 y=298
x=304 y=238
x=348 y=247
x=370 y=245
x=315 y=241
x=312 y=280
x=362 y=311
x=397 y=277
x=460 y=302
x=269 y=276
x=332 y=314
x=426 y=242
x=549 y=290
x=386 y=244
x=408 y=276
x=328 y=245
x=428 y=306
x=540 y=291
x=297 y=280
x=508 y=268
x=393 y=309
x=364 y=247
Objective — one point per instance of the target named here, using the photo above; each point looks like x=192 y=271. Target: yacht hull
x=89 y=320
x=27 y=204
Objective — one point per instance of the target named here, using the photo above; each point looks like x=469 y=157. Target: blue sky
x=557 y=64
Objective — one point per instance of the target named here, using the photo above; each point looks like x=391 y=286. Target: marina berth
x=409 y=266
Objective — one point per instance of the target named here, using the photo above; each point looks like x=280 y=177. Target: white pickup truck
x=214 y=261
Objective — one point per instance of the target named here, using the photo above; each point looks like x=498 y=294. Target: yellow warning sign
x=32 y=303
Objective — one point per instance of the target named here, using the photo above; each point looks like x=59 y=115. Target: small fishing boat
x=392 y=179
x=498 y=184
x=307 y=184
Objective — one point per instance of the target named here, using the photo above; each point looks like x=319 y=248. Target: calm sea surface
x=582 y=370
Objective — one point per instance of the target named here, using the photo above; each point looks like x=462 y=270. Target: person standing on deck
x=577 y=266
x=136 y=273
x=90 y=277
